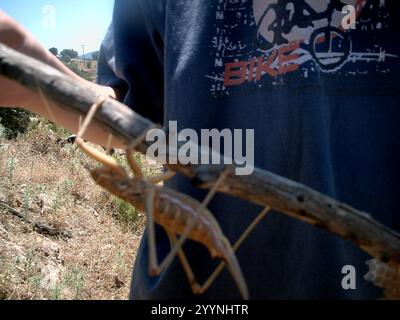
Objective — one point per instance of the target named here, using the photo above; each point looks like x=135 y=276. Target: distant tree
x=68 y=54
x=54 y=51
x=95 y=56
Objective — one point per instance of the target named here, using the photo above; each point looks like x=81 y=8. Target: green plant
x=3 y=133
x=32 y=259
x=125 y=213
x=54 y=51
x=56 y=293
x=75 y=280
x=34 y=282
x=14 y=122
x=67 y=54
x=27 y=198
x=11 y=163
x=57 y=130
x=62 y=195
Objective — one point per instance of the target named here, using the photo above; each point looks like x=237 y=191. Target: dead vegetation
x=44 y=179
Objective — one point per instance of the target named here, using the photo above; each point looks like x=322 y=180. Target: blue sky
x=64 y=24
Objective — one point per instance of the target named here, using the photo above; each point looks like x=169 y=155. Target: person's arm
x=13 y=94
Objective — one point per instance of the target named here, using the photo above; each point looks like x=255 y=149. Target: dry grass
x=48 y=182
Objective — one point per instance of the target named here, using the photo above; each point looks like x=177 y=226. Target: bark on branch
x=262 y=187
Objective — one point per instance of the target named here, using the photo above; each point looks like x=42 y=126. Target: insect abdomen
x=175 y=214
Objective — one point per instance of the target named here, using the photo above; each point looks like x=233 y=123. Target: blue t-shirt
x=322 y=98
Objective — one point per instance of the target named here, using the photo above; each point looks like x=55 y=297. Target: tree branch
x=262 y=187
x=40 y=227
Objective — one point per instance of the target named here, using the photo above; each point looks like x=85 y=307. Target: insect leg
x=200 y=289
x=162 y=177
x=185 y=264
x=237 y=245
x=168 y=259
x=131 y=147
x=154 y=268
x=46 y=104
x=97 y=155
x=89 y=117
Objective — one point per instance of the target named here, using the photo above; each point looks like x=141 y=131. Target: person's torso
x=323 y=102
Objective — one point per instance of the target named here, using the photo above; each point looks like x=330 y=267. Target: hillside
x=61 y=235
x=45 y=181
x=85 y=68
x=90 y=55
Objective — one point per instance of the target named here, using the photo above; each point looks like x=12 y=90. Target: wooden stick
x=261 y=187
x=40 y=227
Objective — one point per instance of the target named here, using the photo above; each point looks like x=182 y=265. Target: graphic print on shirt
x=259 y=43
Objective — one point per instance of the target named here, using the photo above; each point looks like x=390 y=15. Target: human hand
x=15 y=36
